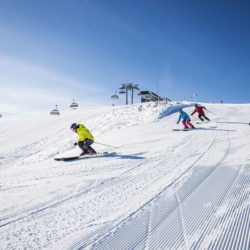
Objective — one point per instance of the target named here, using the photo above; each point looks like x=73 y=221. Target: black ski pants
x=85 y=146
x=202 y=117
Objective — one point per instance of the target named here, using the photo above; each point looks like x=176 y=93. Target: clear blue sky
x=54 y=50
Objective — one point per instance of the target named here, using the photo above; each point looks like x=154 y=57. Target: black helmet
x=74 y=126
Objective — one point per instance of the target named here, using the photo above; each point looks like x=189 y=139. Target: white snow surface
x=161 y=189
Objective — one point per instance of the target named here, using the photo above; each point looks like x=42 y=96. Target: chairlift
x=122 y=91
x=115 y=96
x=55 y=111
x=0 y=115
x=74 y=105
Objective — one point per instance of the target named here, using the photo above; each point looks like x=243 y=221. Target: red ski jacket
x=199 y=110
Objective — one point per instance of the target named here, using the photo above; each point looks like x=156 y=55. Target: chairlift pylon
x=55 y=111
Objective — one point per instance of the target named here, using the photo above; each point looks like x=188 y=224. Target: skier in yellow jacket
x=86 y=139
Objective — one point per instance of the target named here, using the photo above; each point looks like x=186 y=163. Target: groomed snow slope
x=163 y=189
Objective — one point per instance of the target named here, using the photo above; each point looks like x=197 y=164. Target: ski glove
x=75 y=144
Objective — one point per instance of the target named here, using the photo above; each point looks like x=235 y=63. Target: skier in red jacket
x=200 y=112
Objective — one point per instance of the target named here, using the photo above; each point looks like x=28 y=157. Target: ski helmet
x=196 y=105
x=73 y=126
x=180 y=110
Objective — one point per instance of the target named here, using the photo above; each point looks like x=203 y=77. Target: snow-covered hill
x=163 y=189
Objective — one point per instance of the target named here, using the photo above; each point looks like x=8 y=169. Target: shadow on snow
x=173 y=109
x=216 y=129
x=234 y=122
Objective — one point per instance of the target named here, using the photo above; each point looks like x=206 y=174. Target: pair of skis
x=71 y=158
x=183 y=129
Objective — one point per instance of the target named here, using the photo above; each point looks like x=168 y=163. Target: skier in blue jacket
x=185 y=119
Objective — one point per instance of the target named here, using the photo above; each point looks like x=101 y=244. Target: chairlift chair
x=55 y=111
x=115 y=96
x=74 y=105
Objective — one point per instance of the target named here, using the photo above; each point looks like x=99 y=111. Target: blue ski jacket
x=184 y=116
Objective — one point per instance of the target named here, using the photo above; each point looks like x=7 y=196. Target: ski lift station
x=148 y=96
x=55 y=111
x=74 y=105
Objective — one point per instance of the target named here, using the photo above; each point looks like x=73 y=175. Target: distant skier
x=86 y=139
x=201 y=114
x=185 y=119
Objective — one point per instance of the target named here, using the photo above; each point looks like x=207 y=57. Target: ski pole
x=105 y=145
x=210 y=111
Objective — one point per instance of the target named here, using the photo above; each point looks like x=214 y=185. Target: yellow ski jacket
x=84 y=133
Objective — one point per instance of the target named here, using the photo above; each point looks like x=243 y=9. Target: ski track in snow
x=99 y=185
x=107 y=242
x=175 y=191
